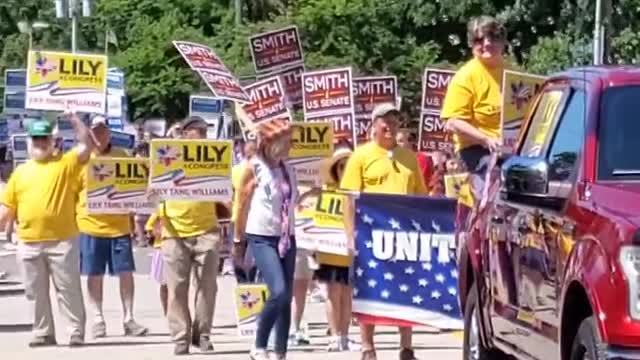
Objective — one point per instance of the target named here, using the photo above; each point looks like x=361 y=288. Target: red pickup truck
x=550 y=266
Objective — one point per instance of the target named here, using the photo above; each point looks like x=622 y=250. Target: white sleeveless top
x=266 y=204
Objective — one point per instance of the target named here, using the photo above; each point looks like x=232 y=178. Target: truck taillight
x=630 y=263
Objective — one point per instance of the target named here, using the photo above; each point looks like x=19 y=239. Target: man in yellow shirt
x=105 y=242
x=381 y=166
x=190 y=240
x=41 y=195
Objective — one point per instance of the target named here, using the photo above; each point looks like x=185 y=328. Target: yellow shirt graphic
x=474 y=96
x=183 y=218
x=43 y=195
x=100 y=225
x=373 y=169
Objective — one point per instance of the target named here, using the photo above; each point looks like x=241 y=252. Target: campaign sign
x=310 y=144
x=115 y=82
x=343 y=126
x=15 y=81
x=405 y=271
x=123 y=140
x=432 y=135
x=518 y=92
x=118 y=186
x=434 y=88
x=19 y=148
x=327 y=92
x=205 y=106
x=276 y=49
x=224 y=86
x=56 y=80
x=191 y=169
x=369 y=92
x=200 y=57
x=249 y=300
x=321 y=227
x=267 y=101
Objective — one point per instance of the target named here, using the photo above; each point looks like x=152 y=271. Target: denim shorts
x=97 y=254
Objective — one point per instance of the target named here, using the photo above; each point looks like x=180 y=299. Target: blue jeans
x=277 y=273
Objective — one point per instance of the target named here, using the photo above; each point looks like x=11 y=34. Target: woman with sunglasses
x=472 y=105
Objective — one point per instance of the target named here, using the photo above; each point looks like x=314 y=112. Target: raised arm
x=245 y=193
x=86 y=142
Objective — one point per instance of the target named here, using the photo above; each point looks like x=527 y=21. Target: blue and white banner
x=405 y=270
x=211 y=110
x=116 y=99
x=123 y=140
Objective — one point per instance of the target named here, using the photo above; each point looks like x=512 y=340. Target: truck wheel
x=587 y=344
x=472 y=348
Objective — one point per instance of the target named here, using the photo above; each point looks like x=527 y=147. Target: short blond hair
x=482 y=26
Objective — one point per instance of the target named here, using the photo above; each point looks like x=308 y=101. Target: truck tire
x=587 y=343
x=472 y=348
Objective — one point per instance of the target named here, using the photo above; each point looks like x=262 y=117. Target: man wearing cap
x=381 y=166
x=105 y=243
x=190 y=241
x=41 y=194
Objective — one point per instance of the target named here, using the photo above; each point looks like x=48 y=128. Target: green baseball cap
x=40 y=128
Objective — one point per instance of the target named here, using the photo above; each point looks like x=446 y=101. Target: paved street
x=15 y=320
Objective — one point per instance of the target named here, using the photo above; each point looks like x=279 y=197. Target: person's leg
x=283 y=323
x=406 y=346
x=332 y=307
x=206 y=259
x=164 y=294
x=366 y=337
x=177 y=260
x=123 y=264
x=64 y=264
x=36 y=286
x=345 y=318
x=268 y=262
x=302 y=279
x=94 y=256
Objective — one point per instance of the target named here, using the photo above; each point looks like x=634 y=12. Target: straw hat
x=327 y=164
x=270 y=130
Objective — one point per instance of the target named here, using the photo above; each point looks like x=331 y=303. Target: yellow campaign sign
x=57 y=79
x=453 y=184
x=329 y=211
x=310 y=143
x=198 y=170
x=118 y=186
x=518 y=91
x=249 y=300
x=319 y=222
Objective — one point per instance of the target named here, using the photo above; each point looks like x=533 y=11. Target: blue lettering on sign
x=115 y=79
x=14 y=101
x=17 y=78
x=123 y=140
x=205 y=105
x=19 y=143
x=115 y=123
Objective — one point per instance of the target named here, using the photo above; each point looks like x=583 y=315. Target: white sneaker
x=334 y=344
x=299 y=338
x=259 y=354
x=347 y=344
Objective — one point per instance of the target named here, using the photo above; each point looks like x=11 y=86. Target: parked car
x=550 y=267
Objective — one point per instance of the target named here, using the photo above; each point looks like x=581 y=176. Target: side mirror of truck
x=525 y=177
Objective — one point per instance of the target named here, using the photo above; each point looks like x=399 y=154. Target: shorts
x=302 y=271
x=97 y=254
x=333 y=274
x=157 y=267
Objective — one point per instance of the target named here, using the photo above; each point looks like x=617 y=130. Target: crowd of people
x=59 y=240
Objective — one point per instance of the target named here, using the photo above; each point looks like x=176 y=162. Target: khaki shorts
x=303 y=271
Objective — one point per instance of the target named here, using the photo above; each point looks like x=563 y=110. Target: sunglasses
x=491 y=36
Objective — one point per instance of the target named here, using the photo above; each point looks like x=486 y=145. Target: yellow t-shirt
x=373 y=169
x=474 y=95
x=43 y=195
x=183 y=219
x=100 y=225
x=150 y=225
x=236 y=176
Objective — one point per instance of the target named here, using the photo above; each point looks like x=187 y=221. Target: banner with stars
x=405 y=268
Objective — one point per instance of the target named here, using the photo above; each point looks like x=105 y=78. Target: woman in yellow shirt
x=472 y=104
x=334 y=270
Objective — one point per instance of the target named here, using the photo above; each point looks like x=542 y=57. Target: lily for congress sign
x=56 y=80
x=310 y=143
x=118 y=186
x=191 y=169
